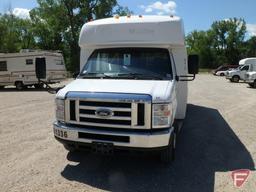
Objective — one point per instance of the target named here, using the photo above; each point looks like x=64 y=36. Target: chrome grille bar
x=124 y=110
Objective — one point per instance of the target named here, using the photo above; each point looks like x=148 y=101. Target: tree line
x=55 y=25
x=226 y=42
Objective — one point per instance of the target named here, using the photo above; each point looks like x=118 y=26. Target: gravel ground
x=218 y=136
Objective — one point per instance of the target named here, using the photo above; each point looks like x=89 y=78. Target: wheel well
x=236 y=76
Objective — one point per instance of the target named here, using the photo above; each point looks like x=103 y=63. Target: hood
x=159 y=90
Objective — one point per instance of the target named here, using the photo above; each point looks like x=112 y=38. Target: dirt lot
x=218 y=136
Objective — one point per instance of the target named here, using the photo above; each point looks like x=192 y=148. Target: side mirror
x=193 y=64
x=74 y=75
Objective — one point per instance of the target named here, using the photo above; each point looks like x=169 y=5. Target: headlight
x=60 y=109
x=162 y=115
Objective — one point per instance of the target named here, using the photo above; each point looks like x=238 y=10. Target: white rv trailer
x=19 y=69
x=132 y=89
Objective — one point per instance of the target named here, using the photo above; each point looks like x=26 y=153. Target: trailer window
x=130 y=60
x=3 y=66
x=29 y=61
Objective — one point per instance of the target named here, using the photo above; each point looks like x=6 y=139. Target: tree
x=200 y=42
x=222 y=44
x=228 y=36
x=57 y=23
x=250 y=47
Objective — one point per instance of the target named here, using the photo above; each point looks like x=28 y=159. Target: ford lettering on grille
x=104 y=113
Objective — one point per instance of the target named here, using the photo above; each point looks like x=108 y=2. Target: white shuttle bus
x=131 y=93
x=22 y=69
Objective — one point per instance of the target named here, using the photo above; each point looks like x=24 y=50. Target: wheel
x=235 y=79
x=168 y=154
x=222 y=74
x=39 y=86
x=19 y=85
x=253 y=85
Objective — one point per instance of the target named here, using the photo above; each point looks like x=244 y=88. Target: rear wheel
x=168 y=154
x=235 y=79
x=19 y=85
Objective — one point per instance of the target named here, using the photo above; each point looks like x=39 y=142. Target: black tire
x=235 y=79
x=222 y=74
x=19 y=85
x=253 y=85
x=168 y=154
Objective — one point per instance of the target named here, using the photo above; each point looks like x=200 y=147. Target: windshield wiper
x=141 y=76
x=95 y=75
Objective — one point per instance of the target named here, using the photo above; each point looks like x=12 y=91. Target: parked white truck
x=132 y=89
x=22 y=69
x=250 y=77
x=246 y=65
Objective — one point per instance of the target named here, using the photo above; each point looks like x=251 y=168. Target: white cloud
x=160 y=8
x=21 y=13
x=251 y=28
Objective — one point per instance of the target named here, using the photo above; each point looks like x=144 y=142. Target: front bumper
x=119 y=138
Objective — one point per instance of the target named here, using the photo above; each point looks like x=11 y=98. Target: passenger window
x=3 y=66
x=29 y=61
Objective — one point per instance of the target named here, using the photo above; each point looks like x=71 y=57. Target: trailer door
x=40 y=68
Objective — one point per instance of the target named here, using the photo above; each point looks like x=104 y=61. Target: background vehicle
x=221 y=70
x=250 y=77
x=132 y=90
x=19 y=69
x=246 y=65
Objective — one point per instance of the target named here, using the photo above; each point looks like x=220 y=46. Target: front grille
x=124 y=114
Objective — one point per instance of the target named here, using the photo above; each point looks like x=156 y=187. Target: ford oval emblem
x=104 y=113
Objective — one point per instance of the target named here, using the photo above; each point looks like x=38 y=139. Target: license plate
x=102 y=148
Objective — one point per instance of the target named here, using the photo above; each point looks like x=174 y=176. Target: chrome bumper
x=145 y=139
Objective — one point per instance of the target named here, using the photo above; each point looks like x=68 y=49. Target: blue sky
x=197 y=14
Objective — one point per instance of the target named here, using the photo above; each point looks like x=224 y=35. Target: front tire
x=222 y=74
x=253 y=85
x=235 y=79
x=168 y=154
